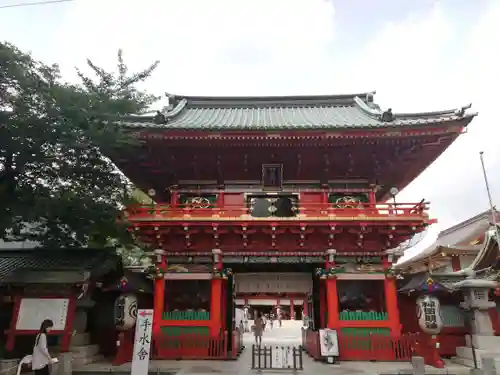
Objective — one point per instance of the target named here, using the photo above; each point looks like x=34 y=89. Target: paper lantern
x=429 y=314
x=125 y=311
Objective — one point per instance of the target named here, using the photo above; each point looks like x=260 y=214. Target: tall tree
x=55 y=185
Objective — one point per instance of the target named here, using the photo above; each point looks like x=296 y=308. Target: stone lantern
x=482 y=341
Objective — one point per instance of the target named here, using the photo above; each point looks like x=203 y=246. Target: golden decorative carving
x=348 y=202
x=198 y=202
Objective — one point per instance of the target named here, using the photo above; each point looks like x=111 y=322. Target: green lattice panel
x=364 y=332
x=186 y=315
x=362 y=315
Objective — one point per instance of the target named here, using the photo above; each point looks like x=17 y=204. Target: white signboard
x=282 y=357
x=329 y=343
x=33 y=311
x=142 y=342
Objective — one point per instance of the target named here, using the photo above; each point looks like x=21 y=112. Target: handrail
x=304 y=210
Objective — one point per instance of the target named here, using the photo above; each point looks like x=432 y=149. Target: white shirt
x=41 y=355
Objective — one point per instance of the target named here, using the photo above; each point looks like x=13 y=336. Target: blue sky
x=419 y=56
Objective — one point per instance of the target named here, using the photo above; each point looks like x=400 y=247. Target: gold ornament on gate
x=348 y=202
x=198 y=202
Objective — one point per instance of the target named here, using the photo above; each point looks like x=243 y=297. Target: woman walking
x=258 y=329
x=41 y=357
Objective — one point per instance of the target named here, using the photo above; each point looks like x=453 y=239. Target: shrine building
x=285 y=205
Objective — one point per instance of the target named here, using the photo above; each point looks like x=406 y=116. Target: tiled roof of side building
x=459 y=236
x=67 y=265
x=286 y=112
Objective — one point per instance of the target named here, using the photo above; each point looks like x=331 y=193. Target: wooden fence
x=198 y=346
x=364 y=348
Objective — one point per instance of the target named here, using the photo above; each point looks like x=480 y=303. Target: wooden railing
x=376 y=348
x=310 y=343
x=305 y=211
x=364 y=348
x=237 y=344
x=190 y=346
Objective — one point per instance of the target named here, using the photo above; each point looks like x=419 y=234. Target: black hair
x=47 y=323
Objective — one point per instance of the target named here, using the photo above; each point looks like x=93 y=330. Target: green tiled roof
x=285 y=113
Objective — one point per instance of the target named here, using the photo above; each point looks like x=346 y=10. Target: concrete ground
x=288 y=334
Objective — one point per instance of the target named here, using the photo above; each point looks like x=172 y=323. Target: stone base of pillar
x=484 y=347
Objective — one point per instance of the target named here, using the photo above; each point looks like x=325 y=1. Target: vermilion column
x=332 y=299
x=159 y=299
x=391 y=302
x=216 y=295
x=322 y=304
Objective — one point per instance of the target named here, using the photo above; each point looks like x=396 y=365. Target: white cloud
x=205 y=47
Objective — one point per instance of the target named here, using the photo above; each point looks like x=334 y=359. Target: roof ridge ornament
x=387 y=116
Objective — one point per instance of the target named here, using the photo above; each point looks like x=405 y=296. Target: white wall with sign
x=264 y=282
x=33 y=311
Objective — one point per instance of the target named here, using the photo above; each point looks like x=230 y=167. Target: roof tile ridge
x=177 y=109
x=388 y=115
x=462 y=224
x=459 y=112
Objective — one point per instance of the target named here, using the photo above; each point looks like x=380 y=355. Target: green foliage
x=55 y=185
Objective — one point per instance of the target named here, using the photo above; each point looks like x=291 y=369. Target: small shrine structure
x=56 y=284
x=444 y=270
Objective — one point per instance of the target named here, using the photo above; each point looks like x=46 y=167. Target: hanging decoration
x=392 y=273
x=223 y=274
x=332 y=272
x=155 y=272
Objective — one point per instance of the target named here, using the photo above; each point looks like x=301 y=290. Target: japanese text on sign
x=142 y=342
x=429 y=308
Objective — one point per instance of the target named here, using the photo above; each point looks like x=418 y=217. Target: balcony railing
x=326 y=211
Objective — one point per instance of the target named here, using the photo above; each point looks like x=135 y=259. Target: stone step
x=86 y=350
x=463 y=361
x=80 y=339
x=81 y=361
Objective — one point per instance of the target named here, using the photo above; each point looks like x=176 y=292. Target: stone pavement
x=289 y=334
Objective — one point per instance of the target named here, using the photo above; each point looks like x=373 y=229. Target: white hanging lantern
x=429 y=314
x=125 y=311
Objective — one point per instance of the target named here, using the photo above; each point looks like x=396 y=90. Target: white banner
x=142 y=342
x=282 y=357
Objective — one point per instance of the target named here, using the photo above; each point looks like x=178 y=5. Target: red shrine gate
x=289 y=184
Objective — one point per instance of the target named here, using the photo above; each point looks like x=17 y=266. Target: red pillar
x=224 y=307
x=292 y=309
x=322 y=304
x=391 y=302
x=372 y=197
x=215 y=307
x=216 y=296
x=159 y=298
x=305 y=307
x=332 y=299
